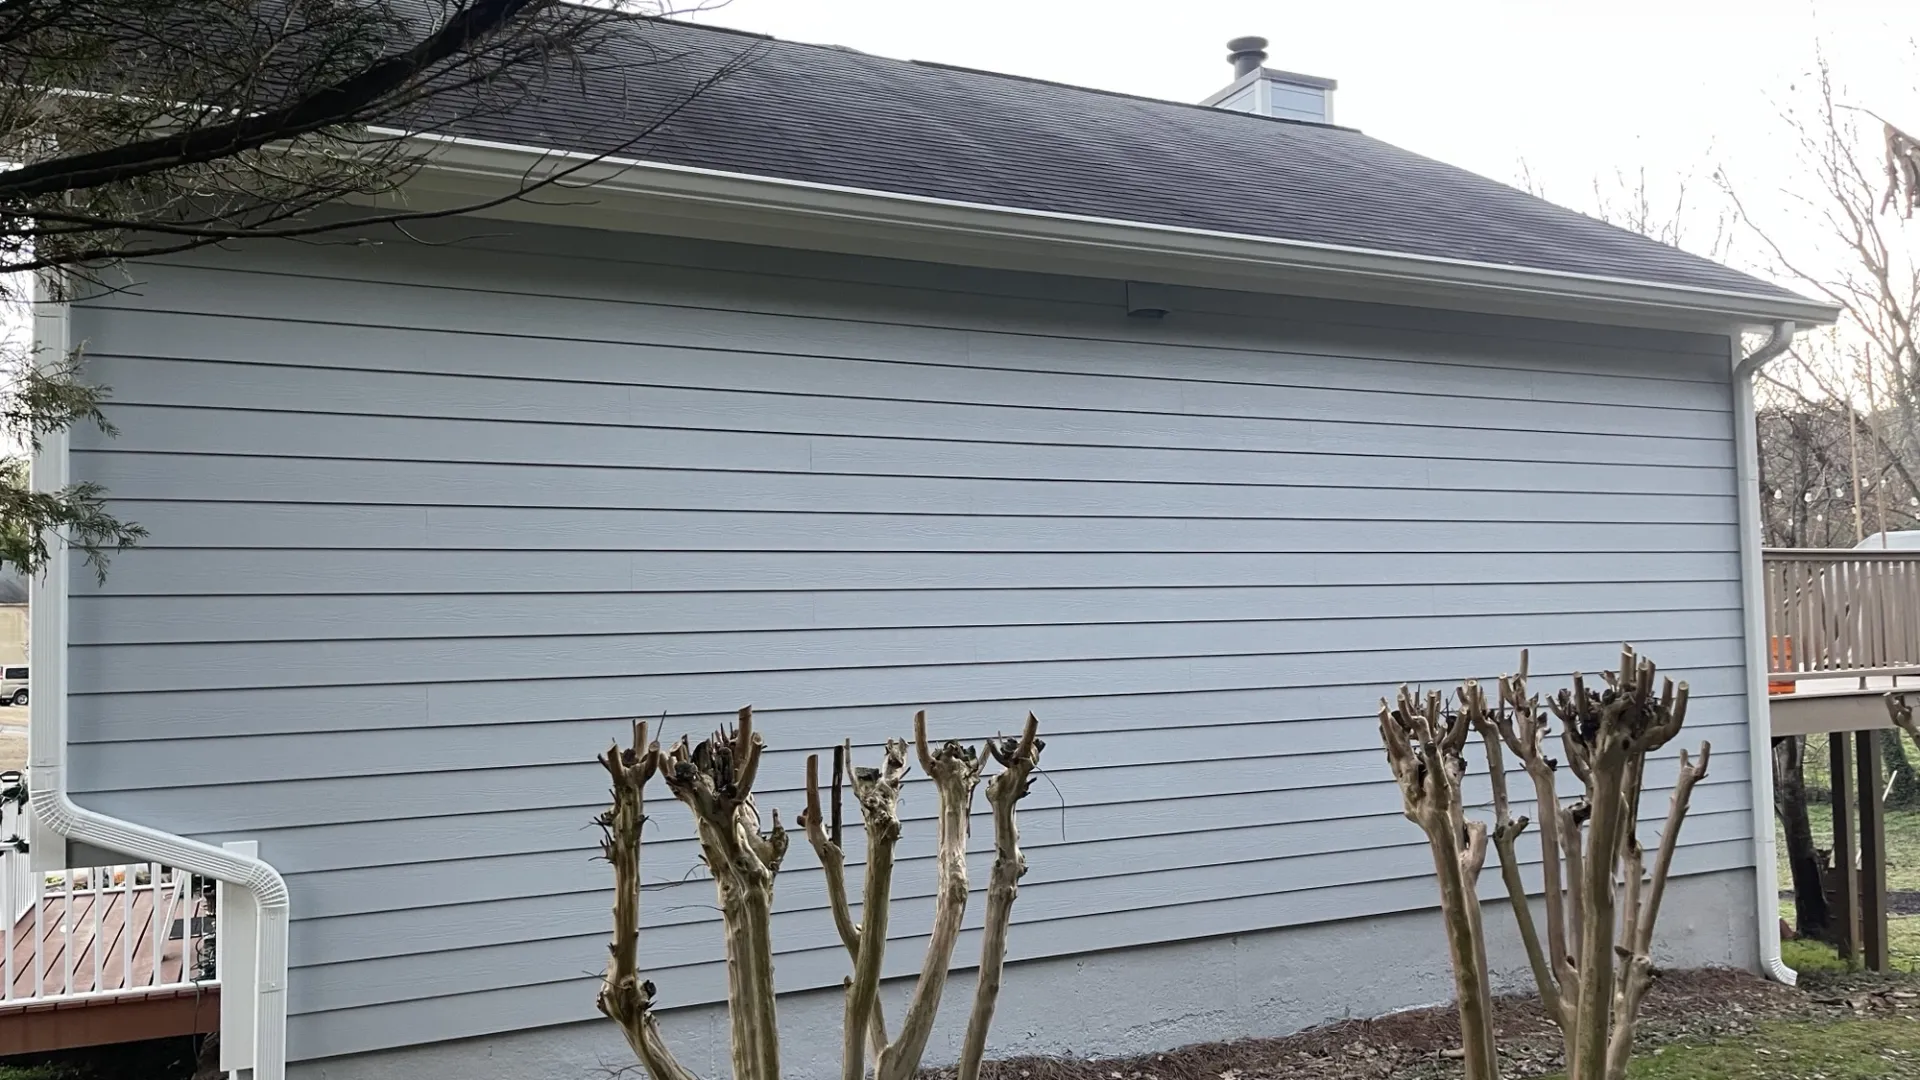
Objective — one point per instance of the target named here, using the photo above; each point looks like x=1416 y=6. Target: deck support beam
x=1846 y=906
x=1873 y=854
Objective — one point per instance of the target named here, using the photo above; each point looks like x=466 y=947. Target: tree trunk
x=1812 y=916
x=1904 y=791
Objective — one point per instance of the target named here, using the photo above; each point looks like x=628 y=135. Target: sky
x=1576 y=90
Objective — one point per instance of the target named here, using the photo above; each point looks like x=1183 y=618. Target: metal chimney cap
x=1246 y=54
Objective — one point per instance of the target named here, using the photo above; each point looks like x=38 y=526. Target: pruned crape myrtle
x=1425 y=746
x=1594 y=964
x=1902 y=715
x=715 y=782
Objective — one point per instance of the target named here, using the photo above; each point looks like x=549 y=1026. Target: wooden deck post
x=1846 y=901
x=1873 y=855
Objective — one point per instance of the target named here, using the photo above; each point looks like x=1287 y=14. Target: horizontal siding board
x=488 y=373
x=779 y=270
x=289 y=434
x=220 y=665
x=865 y=363
x=96 y=620
x=675 y=939
x=213 y=811
x=617 y=696
x=305 y=525
x=1092 y=730
x=1269 y=389
x=1012 y=305
x=808 y=408
x=170 y=477
x=103 y=717
x=341 y=896
x=346 y=896
x=190 y=572
x=399 y=978
x=472 y=1012
x=1037 y=333
x=552 y=833
x=429 y=524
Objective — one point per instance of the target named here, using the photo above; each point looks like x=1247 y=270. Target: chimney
x=1246 y=54
x=1259 y=89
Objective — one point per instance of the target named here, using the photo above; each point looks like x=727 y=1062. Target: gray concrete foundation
x=1123 y=1002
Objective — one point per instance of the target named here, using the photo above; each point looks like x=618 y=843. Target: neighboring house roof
x=827 y=115
x=13 y=586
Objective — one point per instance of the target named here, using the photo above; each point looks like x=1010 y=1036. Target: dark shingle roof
x=835 y=116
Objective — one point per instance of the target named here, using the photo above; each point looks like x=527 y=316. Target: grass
x=1903 y=845
x=1842 y=1050
x=1903 y=875
x=1805 y=957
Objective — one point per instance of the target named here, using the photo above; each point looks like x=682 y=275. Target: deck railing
x=98 y=932
x=1842 y=613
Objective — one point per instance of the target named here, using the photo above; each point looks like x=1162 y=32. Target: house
x=13 y=616
x=863 y=386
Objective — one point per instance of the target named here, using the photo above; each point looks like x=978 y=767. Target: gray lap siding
x=429 y=523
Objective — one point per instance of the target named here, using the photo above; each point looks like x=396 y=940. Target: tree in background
x=1807 y=474
x=137 y=128
x=1848 y=237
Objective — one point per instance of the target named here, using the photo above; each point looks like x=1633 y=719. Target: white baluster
x=100 y=897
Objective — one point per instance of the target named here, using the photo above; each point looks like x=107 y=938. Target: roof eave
x=644 y=196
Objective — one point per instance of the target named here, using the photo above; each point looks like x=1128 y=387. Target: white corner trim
x=1753 y=620
x=236 y=965
x=625 y=193
x=56 y=818
x=1232 y=88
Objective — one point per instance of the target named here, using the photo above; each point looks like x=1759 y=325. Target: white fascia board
x=643 y=196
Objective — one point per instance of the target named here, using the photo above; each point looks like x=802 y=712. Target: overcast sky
x=1574 y=88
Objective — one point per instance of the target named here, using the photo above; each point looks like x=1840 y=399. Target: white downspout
x=55 y=816
x=1746 y=440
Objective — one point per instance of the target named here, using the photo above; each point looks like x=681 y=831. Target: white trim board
x=648 y=197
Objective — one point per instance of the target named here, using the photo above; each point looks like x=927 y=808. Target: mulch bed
x=1421 y=1044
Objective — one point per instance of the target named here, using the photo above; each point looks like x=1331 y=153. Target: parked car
x=13 y=685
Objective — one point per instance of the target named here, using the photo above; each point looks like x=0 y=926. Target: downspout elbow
x=1776 y=343
x=50 y=803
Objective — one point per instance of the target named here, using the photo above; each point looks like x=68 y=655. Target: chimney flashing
x=1297 y=79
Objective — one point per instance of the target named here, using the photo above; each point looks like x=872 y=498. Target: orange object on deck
x=1780 y=658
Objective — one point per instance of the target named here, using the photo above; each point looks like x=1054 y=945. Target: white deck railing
x=1842 y=613
x=97 y=932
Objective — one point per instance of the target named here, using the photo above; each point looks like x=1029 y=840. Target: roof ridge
x=944 y=131
x=989 y=73
x=1211 y=109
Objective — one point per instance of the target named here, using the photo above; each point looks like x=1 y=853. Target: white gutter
x=1746 y=439
x=56 y=818
x=654 y=196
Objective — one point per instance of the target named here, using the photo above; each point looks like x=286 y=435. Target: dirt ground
x=1690 y=1007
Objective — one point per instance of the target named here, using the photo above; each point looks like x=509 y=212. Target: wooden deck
x=102 y=1004
x=122 y=941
